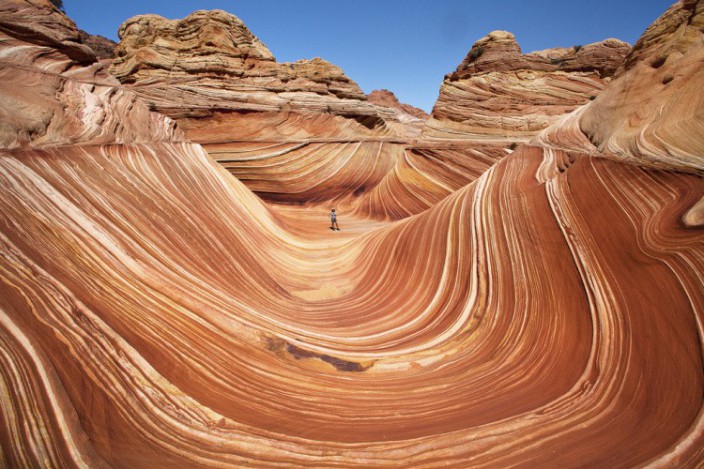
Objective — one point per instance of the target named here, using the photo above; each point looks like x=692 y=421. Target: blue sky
x=406 y=46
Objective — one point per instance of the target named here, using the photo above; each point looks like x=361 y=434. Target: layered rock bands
x=482 y=306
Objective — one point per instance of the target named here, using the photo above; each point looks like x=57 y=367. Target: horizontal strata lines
x=517 y=103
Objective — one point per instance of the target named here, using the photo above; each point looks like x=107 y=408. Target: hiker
x=333 y=221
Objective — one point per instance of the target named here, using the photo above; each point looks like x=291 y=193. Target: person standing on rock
x=333 y=221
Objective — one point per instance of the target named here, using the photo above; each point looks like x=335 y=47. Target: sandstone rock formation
x=54 y=92
x=499 y=93
x=210 y=64
x=103 y=47
x=386 y=98
x=259 y=118
x=496 y=99
x=154 y=311
x=662 y=127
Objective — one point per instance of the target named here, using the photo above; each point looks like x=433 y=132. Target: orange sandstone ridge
x=388 y=99
x=215 y=69
x=54 y=92
x=541 y=306
x=662 y=127
x=497 y=92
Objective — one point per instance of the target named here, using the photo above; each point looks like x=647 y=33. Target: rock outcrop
x=103 y=47
x=54 y=92
x=496 y=99
x=258 y=117
x=662 y=127
x=386 y=98
x=154 y=311
x=209 y=64
x=497 y=92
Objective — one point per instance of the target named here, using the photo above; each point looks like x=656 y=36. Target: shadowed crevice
x=277 y=345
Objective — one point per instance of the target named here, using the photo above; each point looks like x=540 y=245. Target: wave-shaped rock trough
x=193 y=338
x=479 y=308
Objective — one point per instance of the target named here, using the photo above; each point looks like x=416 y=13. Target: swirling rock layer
x=206 y=355
x=54 y=92
x=664 y=126
x=226 y=91
x=541 y=308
